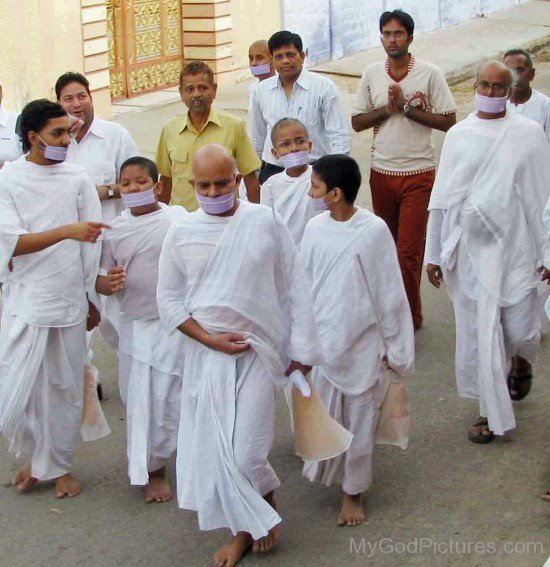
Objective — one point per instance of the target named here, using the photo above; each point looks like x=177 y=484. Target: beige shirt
x=402 y=146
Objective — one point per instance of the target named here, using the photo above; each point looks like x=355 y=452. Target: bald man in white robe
x=231 y=280
x=486 y=241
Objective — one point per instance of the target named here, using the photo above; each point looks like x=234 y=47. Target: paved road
x=442 y=502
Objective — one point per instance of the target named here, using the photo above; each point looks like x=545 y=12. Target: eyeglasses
x=497 y=87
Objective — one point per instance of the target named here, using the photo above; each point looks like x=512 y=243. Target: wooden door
x=145 y=45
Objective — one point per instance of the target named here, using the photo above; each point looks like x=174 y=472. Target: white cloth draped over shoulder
x=492 y=184
x=362 y=314
x=347 y=312
x=155 y=362
x=231 y=274
x=46 y=289
x=289 y=197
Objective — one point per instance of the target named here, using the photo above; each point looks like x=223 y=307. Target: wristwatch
x=111 y=192
x=406 y=108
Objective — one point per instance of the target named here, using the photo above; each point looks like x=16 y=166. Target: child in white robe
x=363 y=319
x=150 y=359
x=287 y=192
x=48 y=276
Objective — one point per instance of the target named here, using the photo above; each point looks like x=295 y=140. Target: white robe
x=150 y=358
x=361 y=316
x=488 y=239
x=240 y=274
x=537 y=108
x=289 y=197
x=42 y=338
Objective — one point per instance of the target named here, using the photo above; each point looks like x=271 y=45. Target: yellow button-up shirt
x=179 y=141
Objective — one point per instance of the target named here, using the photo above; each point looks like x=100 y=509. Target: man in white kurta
x=287 y=192
x=101 y=147
x=231 y=280
x=150 y=358
x=525 y=100
x=486 y=241
x=48 y=279
x=363 y=318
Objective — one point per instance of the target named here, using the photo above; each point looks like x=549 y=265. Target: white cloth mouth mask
x=139 y=199
x=295 y=159
x=259 y=70
x=54 y=153
x=491 y=105
x=216 y=205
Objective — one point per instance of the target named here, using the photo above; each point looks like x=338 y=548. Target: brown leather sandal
x=519 y=385
x=482 y=436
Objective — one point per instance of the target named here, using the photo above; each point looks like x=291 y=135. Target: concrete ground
x=442 y=502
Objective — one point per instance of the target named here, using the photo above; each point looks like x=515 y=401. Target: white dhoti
x=352 y=469
x=499 y=333
x=224 y=439
x=47 y=429
x=150 y=388
x=152 y=402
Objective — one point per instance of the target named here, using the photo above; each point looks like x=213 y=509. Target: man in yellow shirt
x=183 y=135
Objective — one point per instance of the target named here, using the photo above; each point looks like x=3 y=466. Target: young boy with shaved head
x=231 y=281
x=287 y=192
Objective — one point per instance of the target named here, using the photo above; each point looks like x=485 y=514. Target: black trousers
x=268 y=169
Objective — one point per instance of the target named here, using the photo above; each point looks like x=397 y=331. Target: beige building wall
x=220 y=32
x=41 y=39
x=253 y=20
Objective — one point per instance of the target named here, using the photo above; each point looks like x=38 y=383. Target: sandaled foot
x=229 y=555
x=67 y=485
x=519 y=384
x=158 y=489
x=23 y=481
x=545 y=496
x=352 y=513
x=268 y=542
x=479 y=432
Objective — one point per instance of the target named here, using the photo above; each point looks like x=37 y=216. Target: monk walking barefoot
x=54 y=251
x=351 y=248
x=230 y=554
x=228 y=390
x=158 y=489
x=23 y=480
x=352 y=513
x=272 y=538
x=67 y=485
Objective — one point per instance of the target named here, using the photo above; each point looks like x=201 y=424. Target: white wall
x=334 y=28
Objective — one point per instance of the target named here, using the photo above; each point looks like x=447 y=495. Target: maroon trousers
x=402 y=201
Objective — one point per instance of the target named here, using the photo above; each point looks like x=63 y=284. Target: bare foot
x=352 y=513
x=23 y=481
x=158 y=489
x=67 y=485
x=229 y=555
x=272 y=538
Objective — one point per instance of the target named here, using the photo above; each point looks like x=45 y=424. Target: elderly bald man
x=230 y=279
x=486 y=241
